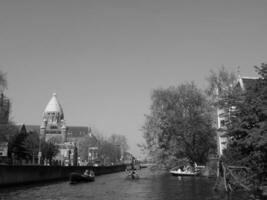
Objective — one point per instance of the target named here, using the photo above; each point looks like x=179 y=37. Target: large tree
x=120 y=143
x=179 y=125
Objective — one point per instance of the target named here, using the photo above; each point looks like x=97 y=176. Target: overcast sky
x=104 y=58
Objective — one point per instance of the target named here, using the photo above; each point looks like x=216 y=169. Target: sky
x=104 y=58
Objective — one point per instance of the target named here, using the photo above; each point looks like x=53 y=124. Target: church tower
x=53 y=127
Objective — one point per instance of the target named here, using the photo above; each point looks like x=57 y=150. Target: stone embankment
x=16 y=175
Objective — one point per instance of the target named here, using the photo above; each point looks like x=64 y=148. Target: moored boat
x=184 y=172
x=77 y=177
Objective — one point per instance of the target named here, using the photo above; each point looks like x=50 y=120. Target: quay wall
x=17 y=175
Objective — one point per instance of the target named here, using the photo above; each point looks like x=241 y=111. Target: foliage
x=16 y=147
x=31 y=145
x=25 y=145
x=247 y=127
x=220 y=83
x=7 y=131
x=49 y=151
x=108 y=152
x=110 y=149
x=3 y=81
x=179 y=125
x=119 y=141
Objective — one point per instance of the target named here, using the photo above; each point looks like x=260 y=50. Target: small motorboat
x=184 y=172
x=77 y=177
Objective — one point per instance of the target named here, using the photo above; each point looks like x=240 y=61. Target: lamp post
x=39 y=151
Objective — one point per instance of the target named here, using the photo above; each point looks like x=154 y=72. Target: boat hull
x=77 y=178
x=175 y=173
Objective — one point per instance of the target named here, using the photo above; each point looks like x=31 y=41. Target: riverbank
x=18 y=175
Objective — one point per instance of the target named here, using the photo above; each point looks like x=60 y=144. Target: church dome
x=54 y=108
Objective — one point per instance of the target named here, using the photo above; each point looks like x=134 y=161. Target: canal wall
x=17 y=175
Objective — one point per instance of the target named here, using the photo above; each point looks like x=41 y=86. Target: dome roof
x=54 y=106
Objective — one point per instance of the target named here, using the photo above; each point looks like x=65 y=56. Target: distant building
x=244 y=83
x=54 y=129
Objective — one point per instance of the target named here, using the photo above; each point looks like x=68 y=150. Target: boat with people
x=184 y=171
x=132 y=174
x=131 y=170
x=87 y=176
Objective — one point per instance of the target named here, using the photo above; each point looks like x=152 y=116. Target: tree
x=220 y=83
x=3 y=81
x=120 y=144
x=180 y=125
x=49 y=151
x=31 y=145
x=7 y=131
x=16 y=147
x=247 y=130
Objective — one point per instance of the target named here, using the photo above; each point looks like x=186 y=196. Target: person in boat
x=86 y=172
x=89 y=173
x=133 y=163
x=133 y=168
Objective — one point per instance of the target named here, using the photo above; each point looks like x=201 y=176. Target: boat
x=183 y=171
x=131 y=174
x=77 y=177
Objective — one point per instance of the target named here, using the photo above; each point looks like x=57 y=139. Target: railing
x=239 y=177
x=234 y=177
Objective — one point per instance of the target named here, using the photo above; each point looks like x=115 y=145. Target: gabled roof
x=247 y=83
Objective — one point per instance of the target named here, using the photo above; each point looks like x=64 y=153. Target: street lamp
x=39 y=151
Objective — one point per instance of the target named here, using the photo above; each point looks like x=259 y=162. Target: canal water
x=152 y=185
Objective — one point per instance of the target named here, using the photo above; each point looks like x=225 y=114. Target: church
x=54 y=129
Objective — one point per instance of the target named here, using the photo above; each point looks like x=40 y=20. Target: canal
x=152 y=185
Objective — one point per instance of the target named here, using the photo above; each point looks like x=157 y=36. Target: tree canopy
x=3 y=81
x=179 y=125
x=247 y=127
